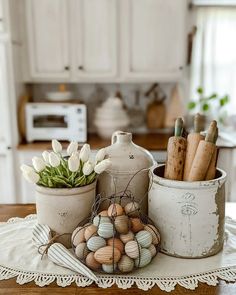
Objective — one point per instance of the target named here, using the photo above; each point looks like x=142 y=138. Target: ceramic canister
x=189 y=215
x=127 y=159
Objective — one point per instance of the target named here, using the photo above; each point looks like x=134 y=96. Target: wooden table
x=12 y=288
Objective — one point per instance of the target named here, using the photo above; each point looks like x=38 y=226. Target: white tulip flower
x=85 y=153
x=72 y=147
x=45 y=156
x=76 y=154
x=73 y=163
x=54 y=159
x=56 y=146
x=100 y=155
x=31 y=176
x=25 y=168
x=38 y=164
x=102 y=166
x=88 y=168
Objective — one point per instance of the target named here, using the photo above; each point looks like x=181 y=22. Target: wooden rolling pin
x=193 y=140
x=203 y=155
x=176 y=151
x=211 y=173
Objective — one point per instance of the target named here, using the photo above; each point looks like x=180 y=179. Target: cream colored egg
x=115 y=210
x=154 y=232
x=98 y=219
x=132 y=249
x=95 y=243
x=122 y=224
x=106 y=230
x=144 y=258
x=152 y=250
x=81 y=251
x=109 y=268
x=117 y=243
x=127 y=237
x=107 y=255
x=90 y=231
x=78 y=236
x=126 y=264
x=132 y=209
x=91 y=262
x=144 y=238
x=136 y=225
x=103 y=213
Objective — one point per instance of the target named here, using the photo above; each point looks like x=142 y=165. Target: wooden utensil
x=176 y=151
x=211 y=173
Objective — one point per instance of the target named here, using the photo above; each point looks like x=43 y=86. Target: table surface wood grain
x=12 y=288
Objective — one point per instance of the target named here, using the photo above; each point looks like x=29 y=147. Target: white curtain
x=214 y=53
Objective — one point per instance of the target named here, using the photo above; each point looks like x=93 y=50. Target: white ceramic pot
x=189 y=215
x=127 y=159
x=63 y=209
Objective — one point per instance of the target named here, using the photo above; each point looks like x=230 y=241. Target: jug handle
x=114 y=136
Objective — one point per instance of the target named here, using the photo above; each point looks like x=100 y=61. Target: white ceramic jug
x=127 y=159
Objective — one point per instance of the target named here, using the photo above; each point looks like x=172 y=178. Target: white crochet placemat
x=19 y=258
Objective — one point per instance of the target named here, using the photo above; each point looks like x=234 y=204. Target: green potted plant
x=65 y=185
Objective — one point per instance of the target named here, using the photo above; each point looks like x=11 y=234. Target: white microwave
x=62 y=121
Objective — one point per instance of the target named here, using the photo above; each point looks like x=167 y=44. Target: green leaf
x=205 y=107
x=213 y=96
x=200 y=90
x=191 y=105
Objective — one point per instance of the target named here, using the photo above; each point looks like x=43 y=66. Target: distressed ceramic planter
x=127 y=159
x=63 y=209
x=189 y=215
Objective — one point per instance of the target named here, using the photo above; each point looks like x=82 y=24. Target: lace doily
x=19 y=259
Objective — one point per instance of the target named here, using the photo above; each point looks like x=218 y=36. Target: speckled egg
x=95 y=243
x=81 y=251
x=122 y=224
x=144 y=238
x=78 y=236
x=115 y=210
x=109 y=268
x=107 y=255
x=98 y=219
x=144 y=258
x=115 y=242
x=154 y=232
x=127 y=237
x=91 y=262
x=90 y=231
x=136 y=225
x=126 y=264
x=106 y=230
x=132 y=249
x=132 y=209
x=152 y=250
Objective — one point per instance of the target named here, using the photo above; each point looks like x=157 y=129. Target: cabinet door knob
x=80 y=67
x=67 y=68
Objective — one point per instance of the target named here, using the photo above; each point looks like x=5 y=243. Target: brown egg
x=116 y=243
x=115 y=210
x=103 y=213
x=127 y=237
x=136 y=225
x=122 y=224
x=90 y=231
x=126 y=264
x=78 y=236
x=107 y=255
x=132 y=209
x=81 y=250
x=91 y=262
x=154 y=232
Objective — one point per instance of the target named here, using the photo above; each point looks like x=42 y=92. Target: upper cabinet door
x=154 y=38
x=48 y=38
x=95 y=38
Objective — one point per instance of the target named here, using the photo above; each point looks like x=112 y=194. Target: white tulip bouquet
x=76 y=169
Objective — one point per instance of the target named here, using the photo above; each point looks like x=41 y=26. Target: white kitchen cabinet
x=154 y=39
x=48 y=39
x=95 y=39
